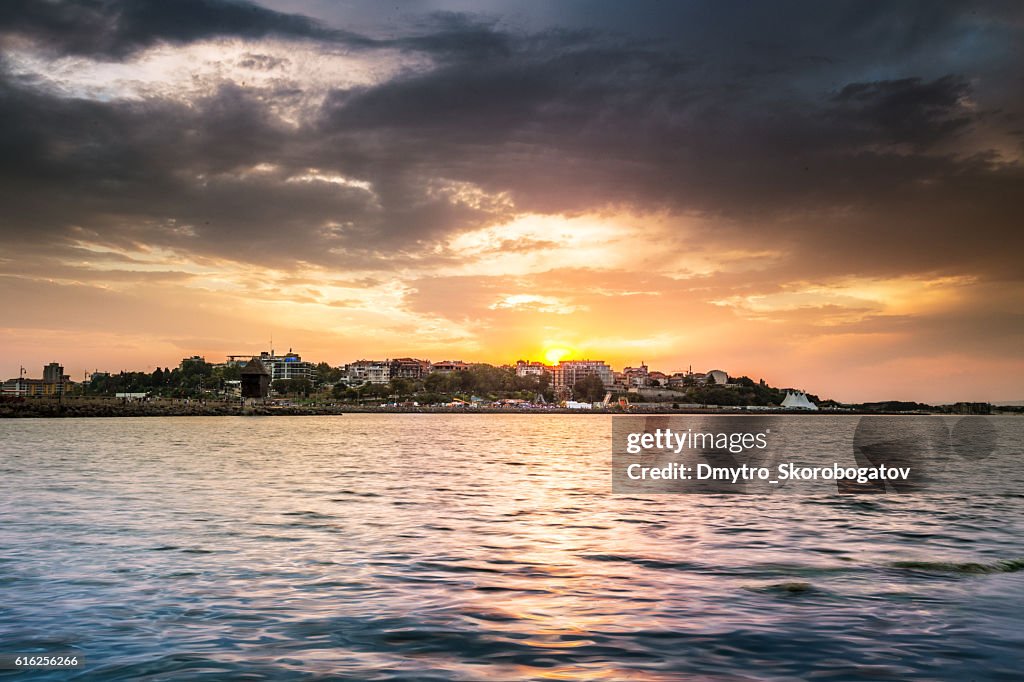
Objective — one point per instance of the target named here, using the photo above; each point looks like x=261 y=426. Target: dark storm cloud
x=787 y=133
x=115 y=29
x=156 y=172
x=566 y=128
x=907 y=111
x=450 y=35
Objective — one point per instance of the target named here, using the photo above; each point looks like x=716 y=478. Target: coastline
x=113 y=407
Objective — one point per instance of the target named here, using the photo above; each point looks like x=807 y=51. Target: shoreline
x=104 y=408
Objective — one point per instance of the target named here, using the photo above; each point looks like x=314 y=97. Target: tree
x=328 y=374
x=196 y=368
x=589 y=389
x=292 y=386
x=369 y=390
x=401 y=387
x=484 y=378
x=435 y=382
x=544 y=387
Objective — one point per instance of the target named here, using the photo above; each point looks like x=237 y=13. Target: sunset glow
x=553 y=355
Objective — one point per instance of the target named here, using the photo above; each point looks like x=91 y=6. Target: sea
x=486 y=547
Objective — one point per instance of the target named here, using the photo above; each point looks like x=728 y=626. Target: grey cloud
x=116 y=29
x=261 y=62
x=836 y=169
x=605 y=123
x=909 y=110
x=457 y=36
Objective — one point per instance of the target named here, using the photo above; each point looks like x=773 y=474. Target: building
x=22 y=387
x=54 y=373
x=566 y=373
x=449 y=366
x=525 y=369
x=657 y=379
x=53 y=384
x=409 y=368
x=368 y=372
x=681 y=380
x=255 y=380
x=635 y=376
x=287 y=366
x=720 y=377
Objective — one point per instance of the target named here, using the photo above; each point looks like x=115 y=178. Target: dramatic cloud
x=908 y=111
x=115 y=29
x=843 y=177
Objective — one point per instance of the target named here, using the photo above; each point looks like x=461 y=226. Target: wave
x=1006 y=566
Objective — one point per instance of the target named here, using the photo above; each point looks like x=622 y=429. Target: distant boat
x=797 y=400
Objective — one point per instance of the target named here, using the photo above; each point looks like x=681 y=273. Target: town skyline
x=290 y=364
x=827 y=195
x=55 y=371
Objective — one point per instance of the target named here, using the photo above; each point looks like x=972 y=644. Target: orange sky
x=581 y=291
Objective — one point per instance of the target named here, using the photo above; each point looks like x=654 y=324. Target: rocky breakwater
x=113 y=407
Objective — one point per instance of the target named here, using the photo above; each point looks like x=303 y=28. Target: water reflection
x=471 y=547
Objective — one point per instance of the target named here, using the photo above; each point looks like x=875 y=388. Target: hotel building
x=566 y=373
x=287 y=366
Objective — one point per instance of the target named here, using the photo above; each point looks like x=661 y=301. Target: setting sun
x=554 y=355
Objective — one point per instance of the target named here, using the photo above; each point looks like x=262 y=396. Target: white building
x=368 y=371
x=720 y=377
x=525 y=369
x=287 y=366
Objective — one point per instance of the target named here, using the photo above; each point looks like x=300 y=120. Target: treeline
x=193 y=378
x=481 y=380
x=741 y=392
x=196 y=377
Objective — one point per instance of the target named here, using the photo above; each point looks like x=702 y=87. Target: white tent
x=797 y=400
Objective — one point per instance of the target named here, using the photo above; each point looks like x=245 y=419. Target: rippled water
x=481 y=547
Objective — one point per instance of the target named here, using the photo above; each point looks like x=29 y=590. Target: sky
x=824 y=195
